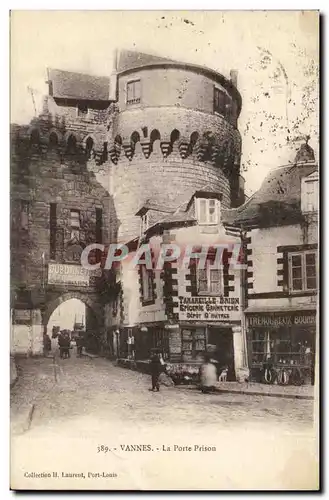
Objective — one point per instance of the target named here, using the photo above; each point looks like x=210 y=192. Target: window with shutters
x=209 y=281
x=144 y=223
x=147 y=284
x=207 y=211
x=134 y=92
x=310 y=194
x=302 y=271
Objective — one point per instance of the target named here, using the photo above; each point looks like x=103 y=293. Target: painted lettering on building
x=67 y=274
x=273 y=320
x=209 y=308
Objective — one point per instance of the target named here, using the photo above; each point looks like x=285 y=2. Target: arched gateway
x=91 y=301
x=58 y=208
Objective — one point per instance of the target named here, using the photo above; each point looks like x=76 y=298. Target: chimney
x=114 y=77
x=115 y=60
x=305 y=154
x=234 y=77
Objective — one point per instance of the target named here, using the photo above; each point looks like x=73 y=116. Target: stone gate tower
x=172 y=130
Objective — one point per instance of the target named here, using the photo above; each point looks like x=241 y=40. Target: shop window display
x=286 y=348
x=193 y=343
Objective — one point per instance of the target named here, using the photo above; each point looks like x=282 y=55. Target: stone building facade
x=57 y=209
x=281 y=235
x=141 y=145
x=174 y=140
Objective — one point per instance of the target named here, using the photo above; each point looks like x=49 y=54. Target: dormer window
x=310 y=193
x=134 y=92
x=144 y=222
x=82 y=110
x=207 y=210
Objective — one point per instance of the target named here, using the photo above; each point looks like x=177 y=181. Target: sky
x=275 y=54
x=66 y=314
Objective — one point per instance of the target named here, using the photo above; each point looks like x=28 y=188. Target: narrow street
x=95 y=403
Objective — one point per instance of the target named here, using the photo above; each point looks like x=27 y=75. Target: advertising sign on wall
x=68 y=274
x=210 y=308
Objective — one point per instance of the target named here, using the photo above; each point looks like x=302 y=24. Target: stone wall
x=171 y=87
x=44 y=173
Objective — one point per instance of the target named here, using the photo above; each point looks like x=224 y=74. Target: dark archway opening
x=71 y=148
x=77 y=319
x=53 y=141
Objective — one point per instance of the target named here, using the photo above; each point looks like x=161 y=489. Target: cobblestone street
x=96 y=387
x=94 y=402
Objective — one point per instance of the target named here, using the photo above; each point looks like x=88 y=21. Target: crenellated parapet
x=208 y=147
x=47 y=137
x=212 y=140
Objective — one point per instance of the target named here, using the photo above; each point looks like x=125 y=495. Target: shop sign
x=68 y=274
x=210 y=308
x=276 y=320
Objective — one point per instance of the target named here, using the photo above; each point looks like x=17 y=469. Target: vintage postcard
x=164 y=250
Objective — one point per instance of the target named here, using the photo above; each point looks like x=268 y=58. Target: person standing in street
x=46 y=344
x=79 y=342
x=156 y=368
x=208 y=376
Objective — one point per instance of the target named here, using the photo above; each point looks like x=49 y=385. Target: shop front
x=206 y=325
x=151 y=336
x=284 y=345
x=215 y=340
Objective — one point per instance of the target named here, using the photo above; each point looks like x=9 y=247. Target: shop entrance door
x=222 y=338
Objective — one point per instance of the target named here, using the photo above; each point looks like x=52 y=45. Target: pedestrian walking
x=79 y=342
x=46 y=344
x=156 y=369
x=208 y=376
x=64 y=343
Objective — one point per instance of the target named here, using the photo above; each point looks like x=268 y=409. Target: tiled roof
x=277 y=200
x=129 y=59
x=154 y=205
x=69 y=85
x=178 y=217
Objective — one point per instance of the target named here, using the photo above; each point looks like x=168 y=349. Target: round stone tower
x=173 y=132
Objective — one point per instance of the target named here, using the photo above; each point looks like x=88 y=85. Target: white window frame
x=207 y=221
x=145 y=222
x=136 y=100
x=311 y=197
x=303 y=267
x=209 y=281
x=75 y=226
x=147 y=285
